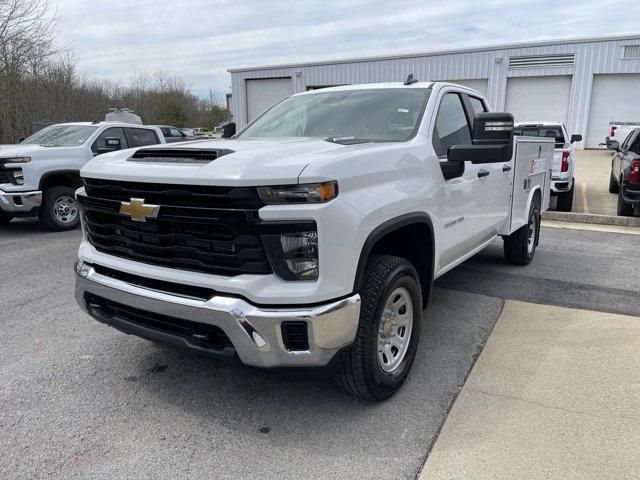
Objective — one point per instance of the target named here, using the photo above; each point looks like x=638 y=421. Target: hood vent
x=536 y=61
x=177 y=155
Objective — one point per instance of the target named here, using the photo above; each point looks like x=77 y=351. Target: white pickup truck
x=311 y=239
x=619 y=131
x=562 y=172
x=39 y=175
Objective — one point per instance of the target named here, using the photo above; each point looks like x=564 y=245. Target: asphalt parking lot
x=83 y=401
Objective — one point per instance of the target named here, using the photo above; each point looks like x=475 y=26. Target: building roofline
x=441 y=52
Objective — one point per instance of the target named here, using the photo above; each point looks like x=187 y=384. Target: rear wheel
x=565 y=199
x=60 y=210
x=520 y=246
x=613 y=185
x=378 y=362
x=624 y=209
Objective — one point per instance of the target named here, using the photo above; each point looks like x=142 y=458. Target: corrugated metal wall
x=591 y=57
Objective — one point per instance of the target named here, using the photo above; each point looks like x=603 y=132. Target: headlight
x=294 y=256
x=306 y=193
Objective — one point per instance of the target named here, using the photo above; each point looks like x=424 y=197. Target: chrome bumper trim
x=28 y=201
x=331 y=326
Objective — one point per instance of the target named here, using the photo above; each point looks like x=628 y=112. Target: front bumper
x=255 y=332
x=20 y=202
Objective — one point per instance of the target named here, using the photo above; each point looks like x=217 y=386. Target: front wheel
x=624 y=209
x=520 y=246
x=4 y=219
x=378 y=362
x=60 y=210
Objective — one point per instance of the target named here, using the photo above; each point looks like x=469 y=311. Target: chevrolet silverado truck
x=625 y=173
x=39 y=175
x=562 y=179
x=311 y=239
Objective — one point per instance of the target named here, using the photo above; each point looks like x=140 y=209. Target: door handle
x=483 y=173
x=506 y=168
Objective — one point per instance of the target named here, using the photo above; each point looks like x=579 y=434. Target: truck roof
x=97 y=124
x=372 y=86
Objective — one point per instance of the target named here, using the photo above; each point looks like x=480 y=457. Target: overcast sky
x=201 y=39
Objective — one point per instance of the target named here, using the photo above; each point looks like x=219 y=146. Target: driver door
x=464 y=198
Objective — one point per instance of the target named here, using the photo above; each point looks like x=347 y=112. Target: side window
x=635 y=146
x=176 y=133
x=478 y=105
x=141 y=137
x=165 y=131
x=452 y=126
x=625 y=144
x=114 y=132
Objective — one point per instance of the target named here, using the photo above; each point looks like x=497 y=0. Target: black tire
x=4 y=219
x=613 y=185
x=517 y=249
x=359 y=371
x=624 y=209
x=50 y=204
x=565 y=199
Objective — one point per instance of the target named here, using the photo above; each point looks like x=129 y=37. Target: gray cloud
x=201 y=39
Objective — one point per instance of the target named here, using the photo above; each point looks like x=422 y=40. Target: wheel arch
x=384 y=239
x=60 y=178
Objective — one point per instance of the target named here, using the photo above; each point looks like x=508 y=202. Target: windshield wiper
x=347 y=140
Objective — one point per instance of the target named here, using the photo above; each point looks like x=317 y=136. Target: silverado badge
x=138 y=211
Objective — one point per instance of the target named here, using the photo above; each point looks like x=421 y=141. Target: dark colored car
x=625 y=173
x=173 y=134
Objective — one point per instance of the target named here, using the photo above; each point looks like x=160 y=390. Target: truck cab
x=311 y=239
x=562 y=174
x=39 y=175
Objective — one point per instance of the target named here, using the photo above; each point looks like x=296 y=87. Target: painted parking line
x=585 y=202
x=554 y=394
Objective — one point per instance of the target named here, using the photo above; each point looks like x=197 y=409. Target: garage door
x=480 y=84
x=534 y=99
x=264 y=93
x=613 y=98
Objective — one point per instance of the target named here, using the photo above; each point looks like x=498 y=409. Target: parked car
x=562 y=175
x=625 y=173
x=190 y=132
x=203 y=132
x=312 y=238
x=39 y=176
x=174 y=134
x=620 y=131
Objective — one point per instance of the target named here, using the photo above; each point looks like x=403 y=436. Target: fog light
x=293 y=256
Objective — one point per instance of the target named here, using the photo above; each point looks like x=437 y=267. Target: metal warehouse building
x=585 y=83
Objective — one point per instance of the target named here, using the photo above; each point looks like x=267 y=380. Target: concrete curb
x=592 y=218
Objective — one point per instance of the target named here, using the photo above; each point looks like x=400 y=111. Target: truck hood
x=37 y=152
x=251 y=162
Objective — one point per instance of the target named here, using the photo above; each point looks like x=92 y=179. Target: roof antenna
x=410 y=80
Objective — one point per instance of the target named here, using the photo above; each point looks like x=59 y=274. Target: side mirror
x=111 y=144
x=228 y=130
x=576 y=138
x=492 y=140
x=613 y=145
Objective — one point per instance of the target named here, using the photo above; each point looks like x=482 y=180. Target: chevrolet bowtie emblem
x=138 y=211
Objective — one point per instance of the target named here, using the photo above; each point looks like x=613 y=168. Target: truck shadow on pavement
x=268 y=420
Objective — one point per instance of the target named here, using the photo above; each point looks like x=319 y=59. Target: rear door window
x=114 y=132
x=141 y=137
x=176 y=133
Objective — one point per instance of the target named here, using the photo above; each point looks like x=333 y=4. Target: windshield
x=550 y=131
x=375 y=115
x=61 y=136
